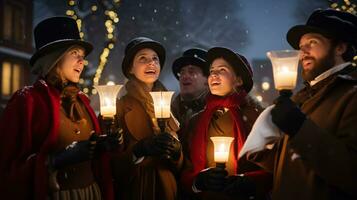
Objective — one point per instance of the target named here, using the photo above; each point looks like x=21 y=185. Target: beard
x=320 y=66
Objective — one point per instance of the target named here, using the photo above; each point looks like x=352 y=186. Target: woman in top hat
x=145 y=169
x=229 y=112
x=47 y=146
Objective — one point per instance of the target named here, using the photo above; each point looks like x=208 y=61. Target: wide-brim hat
x=330 y=23
x=57 y=32
x=136 y=45
x=194 y=56
x=238 y=62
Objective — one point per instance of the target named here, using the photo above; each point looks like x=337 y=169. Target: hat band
x=61 y=40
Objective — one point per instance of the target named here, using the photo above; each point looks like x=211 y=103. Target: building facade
x=15 y=46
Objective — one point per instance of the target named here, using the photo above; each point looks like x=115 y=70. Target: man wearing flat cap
x=191 y=71
x=316 y=157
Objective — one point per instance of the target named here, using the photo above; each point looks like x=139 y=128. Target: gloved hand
x=170 y=145
x=287 y=116
x=74 y=153
x=107 y=143
x=213 y=179
x=148 y=147
x=240 y=186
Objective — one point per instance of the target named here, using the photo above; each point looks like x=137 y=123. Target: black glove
x=213 y=179
x=75 y=153
x=240 y=186
x=148 y=147
x=170 y=145
x=287 y=116
x=107 y=143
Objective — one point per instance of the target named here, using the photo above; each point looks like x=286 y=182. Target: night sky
x=250 y=27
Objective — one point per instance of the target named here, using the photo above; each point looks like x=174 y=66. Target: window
x=11 y=78
x=14 y=22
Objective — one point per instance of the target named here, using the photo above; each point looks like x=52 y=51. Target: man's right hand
x=212 y=179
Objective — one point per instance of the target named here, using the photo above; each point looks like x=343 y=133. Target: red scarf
x=199 y=141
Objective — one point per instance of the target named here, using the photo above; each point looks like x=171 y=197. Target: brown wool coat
x=151 y=179
x=320 y=161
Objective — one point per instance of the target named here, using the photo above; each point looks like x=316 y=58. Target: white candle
x=162 y=101
x=107 y=111
x=285 y=79
x=221 y=154
x=221 y=148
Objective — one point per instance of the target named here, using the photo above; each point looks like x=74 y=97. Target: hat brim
x=157 y=47
x=88 y=47
x=237 y=63
x=184 y=61
x=295 y=33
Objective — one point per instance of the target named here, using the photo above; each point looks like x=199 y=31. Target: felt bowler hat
x=57 y=32
x=136 y=45
x=330 y=23
x=192 y=56
x=238 y=62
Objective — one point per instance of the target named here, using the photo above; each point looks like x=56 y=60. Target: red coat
x=29 y=130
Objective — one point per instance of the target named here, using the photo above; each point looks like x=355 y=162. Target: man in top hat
x=317 y=155
x=191 y=71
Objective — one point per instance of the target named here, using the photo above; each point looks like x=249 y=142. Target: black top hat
x=239 y=63
x=330 y=23
x=192 y=56
x=57 y=32
x=136 y=45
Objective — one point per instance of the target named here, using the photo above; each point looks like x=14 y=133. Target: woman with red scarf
x=229 y=112
x=49 y=148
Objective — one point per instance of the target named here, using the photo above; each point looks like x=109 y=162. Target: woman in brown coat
x=146 y=166
x=229 y=112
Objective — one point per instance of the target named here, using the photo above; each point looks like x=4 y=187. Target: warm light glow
x=285 y=65
x=107 y=96
x=6 y=77
x=266 y=85
x=71 y=3
x=162 y=103
x=259 y=98
x=221 y=147
x=110 y=83
x=16 y=77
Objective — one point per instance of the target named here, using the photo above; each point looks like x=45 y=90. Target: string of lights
x=111 y=19
x=346 y=6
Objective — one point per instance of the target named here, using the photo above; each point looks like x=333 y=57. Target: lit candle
x=162 y=102
x=285 y=65
x=107 y=96
x=285 y=79
x=221 y=147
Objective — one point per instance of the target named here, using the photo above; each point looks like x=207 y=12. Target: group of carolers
x=53 y=145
